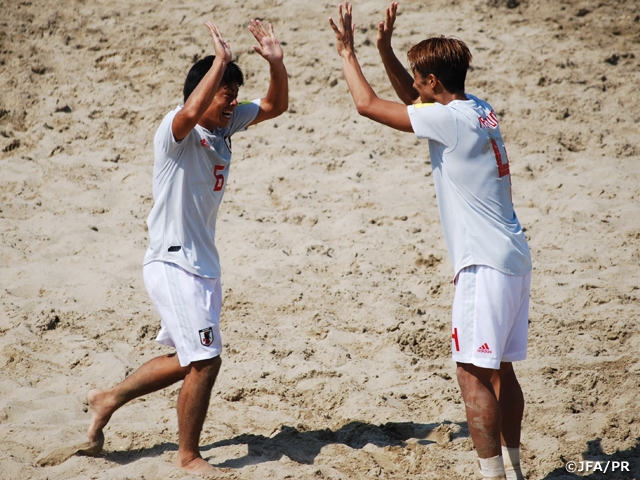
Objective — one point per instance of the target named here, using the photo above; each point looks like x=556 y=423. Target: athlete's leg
x=193 y=403
x=157 y=373
x=482 y=408
x=511 y=402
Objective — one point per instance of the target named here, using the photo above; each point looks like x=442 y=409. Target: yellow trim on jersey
x=245 y=102
x=422 y=105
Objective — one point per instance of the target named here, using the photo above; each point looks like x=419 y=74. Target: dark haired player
x=181 y=267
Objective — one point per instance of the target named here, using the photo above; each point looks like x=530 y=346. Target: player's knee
x=466 y=382
x=473 y=380
x=212 y=364
x=208 y=367
x=211 y=369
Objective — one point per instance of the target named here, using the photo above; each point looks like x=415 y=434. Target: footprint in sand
x=62 y=454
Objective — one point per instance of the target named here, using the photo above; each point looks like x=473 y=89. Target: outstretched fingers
x=390 y=15
x=346 y=16
x=269 y=46
x=215 y=32
x=257 y=29
x=345 y=29
x=385 y=28
x=344 y=19
x=221 y=47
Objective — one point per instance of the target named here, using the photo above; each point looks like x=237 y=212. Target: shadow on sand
x=304 y=446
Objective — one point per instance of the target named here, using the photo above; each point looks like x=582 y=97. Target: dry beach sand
x=337 y=283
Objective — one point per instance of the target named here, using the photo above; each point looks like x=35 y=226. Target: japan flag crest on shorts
x=206 y=336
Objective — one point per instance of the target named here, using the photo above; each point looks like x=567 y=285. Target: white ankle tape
x=492 y=467
x=510 y=456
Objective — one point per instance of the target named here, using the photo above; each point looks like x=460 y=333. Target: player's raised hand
x=385 y=28
x=345 y=29
x=269 y=47
x=222 y=48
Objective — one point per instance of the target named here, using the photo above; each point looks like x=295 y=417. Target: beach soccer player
x=181 y=270
x=486 y=244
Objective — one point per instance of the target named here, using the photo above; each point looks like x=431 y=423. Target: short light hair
x=446 y=58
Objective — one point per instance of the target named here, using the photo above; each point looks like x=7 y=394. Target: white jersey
x=189 y=180
x=473 y=185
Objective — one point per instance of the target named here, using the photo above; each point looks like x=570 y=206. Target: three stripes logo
x=484 y=349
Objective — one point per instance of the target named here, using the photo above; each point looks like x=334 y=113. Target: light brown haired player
x=486 y=244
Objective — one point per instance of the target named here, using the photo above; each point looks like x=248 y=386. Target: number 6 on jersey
x=219 y=177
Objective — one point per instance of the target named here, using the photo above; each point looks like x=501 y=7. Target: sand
x=336 y=277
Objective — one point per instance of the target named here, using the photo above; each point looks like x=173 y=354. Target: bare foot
x=102 y=407
x=199 y=466
x=92 y=448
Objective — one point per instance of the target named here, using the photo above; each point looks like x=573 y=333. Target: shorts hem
x=515 y=357
x=491 y=363
x=165 y=341
x=197 y=358
x=485 y=363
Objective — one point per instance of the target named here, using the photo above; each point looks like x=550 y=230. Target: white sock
x=511 y=458
x=492 y=467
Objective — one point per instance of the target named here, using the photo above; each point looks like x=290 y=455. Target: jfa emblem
x=206 y=336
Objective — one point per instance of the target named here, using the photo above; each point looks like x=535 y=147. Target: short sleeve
x=433 y=121
x=164 y=140
x=243 y=115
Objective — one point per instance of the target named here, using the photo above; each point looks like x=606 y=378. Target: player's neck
x=446 y=97
x=210 y=123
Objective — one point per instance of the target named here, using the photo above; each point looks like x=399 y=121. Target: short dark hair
x=446 y=58
x=232 y=74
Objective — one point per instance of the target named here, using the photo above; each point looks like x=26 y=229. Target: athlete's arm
x=276 y=101
x=401 y=80
x=202 y=96
x=367 y=103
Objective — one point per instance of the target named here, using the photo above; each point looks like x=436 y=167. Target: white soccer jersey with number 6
x=189 y=180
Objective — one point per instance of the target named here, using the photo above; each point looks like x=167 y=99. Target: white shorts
x=490 y=317
x=189 y=307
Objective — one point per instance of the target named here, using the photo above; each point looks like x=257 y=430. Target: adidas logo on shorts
x=484 y=349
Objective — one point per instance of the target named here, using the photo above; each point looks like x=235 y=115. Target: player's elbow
x=363 y=106
x=368 y=105
x=366 y=109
